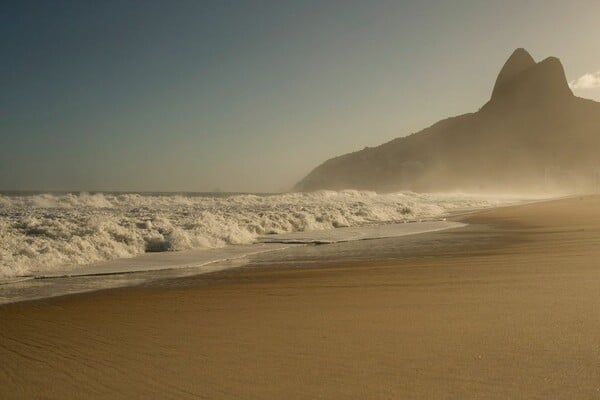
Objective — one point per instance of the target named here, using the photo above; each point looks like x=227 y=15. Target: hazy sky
x=250 y=96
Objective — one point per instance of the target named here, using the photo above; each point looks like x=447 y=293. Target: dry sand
x=513 y=317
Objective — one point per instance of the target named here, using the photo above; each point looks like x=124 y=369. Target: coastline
x=151 y=267
x=502 y=308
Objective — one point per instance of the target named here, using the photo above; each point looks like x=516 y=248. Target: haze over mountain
x=532 y=135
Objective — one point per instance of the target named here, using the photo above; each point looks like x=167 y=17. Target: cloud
x=587 y=81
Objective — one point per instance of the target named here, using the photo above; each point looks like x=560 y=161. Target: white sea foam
x=47 y=232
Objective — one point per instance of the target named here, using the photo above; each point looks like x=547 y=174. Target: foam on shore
x=153 y=266
x=49 y=233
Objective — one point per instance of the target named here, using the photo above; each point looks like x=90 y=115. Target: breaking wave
x=46 y=231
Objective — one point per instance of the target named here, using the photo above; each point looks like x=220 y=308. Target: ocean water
x=343 y=245
x=59 y=233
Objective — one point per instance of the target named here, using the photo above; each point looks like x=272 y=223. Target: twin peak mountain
x=533 y=135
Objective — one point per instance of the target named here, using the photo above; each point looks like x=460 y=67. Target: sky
x=251 y=95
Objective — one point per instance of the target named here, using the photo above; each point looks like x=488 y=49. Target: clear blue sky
x=250 y=96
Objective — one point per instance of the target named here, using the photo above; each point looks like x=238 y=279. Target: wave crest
x=46 y=231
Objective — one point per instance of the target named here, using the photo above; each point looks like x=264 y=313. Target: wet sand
x=507 y=307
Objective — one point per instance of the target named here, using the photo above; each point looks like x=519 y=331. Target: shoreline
x=150 y=267
x=502 y=308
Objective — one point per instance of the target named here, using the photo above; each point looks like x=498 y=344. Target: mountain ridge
x=532 y=135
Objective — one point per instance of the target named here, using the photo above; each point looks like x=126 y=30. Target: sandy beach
x=507 y=307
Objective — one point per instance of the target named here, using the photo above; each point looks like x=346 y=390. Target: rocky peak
x=519 y=61
x=521 y=79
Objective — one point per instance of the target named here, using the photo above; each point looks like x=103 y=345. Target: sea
x=60 y=243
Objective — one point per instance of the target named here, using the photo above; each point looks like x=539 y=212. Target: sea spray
x=44 y=232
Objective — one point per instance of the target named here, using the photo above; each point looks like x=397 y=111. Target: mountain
x=532 y=135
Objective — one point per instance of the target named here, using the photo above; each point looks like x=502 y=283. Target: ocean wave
x=44 y=232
